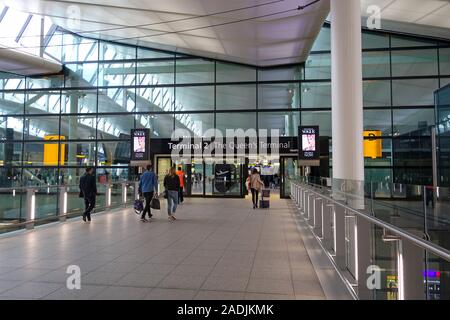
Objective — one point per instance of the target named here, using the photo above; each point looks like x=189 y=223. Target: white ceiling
x=278 y=39
x=422 y=17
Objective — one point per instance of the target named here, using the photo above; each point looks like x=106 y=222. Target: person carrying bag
x=147 y=188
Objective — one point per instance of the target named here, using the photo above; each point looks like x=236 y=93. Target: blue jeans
x=172 y=201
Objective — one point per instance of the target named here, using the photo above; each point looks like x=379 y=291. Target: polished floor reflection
x=218 y=249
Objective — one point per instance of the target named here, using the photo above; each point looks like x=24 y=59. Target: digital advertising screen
x=308 y=138
x=140 y=144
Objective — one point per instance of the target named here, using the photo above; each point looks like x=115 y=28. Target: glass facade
x=84 y=115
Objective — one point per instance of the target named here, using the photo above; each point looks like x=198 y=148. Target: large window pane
x=41 y=102
x=37 y=128
x=402 y=42
x=414 y=62
x=40 y=153
x=318 y=66
x=227 y=72
x=316 y=95
x=9 y=81
x=81 y=75
x=78 y=127
x=161 y=125
x=110 y=51
x=10 y=155
x=323 y=40
x=155 y=73
x=48 y=82
x=376 y=64
x=11 y=128
x=116 y=100
x=318 y=118
x=286 y=122
x=374 y=40
x=413 y=152
x=279 y=96
x=413 y=176
x=195 y=98
x=413 y=121
x=76 y=48
x=11 y=102
x=378 y=175
x=79 y=154
x=144 y=53
x=444 y=60
x=195 y=123
x=386 y=156
x=117 y=74
x=378 y=120
x=280 y=74
x=115 y=126
x=414 y=92
x=113 y=153
x=194 y=71
x=377 y=93
x=236 y=97
x=79 y=101
x=156 y=99
x=233 y=120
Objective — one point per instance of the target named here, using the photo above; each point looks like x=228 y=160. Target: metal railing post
x=62 y=212
x=327 y=218
x=318 y=207
x=124 y=193
x=339 y=236
x=136 y=190
x=108 y=195
x=411 y=268
x=30 y=208
x=363 y=240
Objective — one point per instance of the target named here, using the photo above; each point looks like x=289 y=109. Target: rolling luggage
x=265 y=203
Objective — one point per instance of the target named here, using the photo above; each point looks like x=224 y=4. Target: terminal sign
x=140 y=144
x=308 y=138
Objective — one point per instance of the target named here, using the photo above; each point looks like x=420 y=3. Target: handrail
x=429 y=246
x=410 y=211
x=57 y=186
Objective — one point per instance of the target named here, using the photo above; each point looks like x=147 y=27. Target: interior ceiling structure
x=280 y=34
x=421 y=17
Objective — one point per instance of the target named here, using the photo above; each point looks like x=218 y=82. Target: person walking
x=172 y=189
x=88 y=191
x=180 y=173
x=255 y=184
x=147 y=187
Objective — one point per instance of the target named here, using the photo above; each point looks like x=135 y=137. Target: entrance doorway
x=208 y=177
x=211 y=178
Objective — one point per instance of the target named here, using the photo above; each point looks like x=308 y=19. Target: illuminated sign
x=373 y=147
x=51 y=151
x=140 y=144
x=308 y=142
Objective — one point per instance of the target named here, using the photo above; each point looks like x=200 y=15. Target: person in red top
x=180 y=173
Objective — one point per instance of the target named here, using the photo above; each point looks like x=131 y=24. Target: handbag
x=155 y=203
x=165 y=194
x=138 y=206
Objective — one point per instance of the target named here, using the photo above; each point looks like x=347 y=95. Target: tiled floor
x=218 y=249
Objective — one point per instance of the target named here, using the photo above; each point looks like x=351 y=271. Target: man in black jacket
x=88 y=190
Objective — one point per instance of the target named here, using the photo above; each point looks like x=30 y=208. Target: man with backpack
x=148 y=187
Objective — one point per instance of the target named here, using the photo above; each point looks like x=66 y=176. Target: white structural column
x=347 y=100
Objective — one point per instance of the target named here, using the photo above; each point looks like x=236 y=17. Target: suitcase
x=264 y=204
x=265 y=193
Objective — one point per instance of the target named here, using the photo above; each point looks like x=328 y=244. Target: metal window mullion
x=24 y=28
